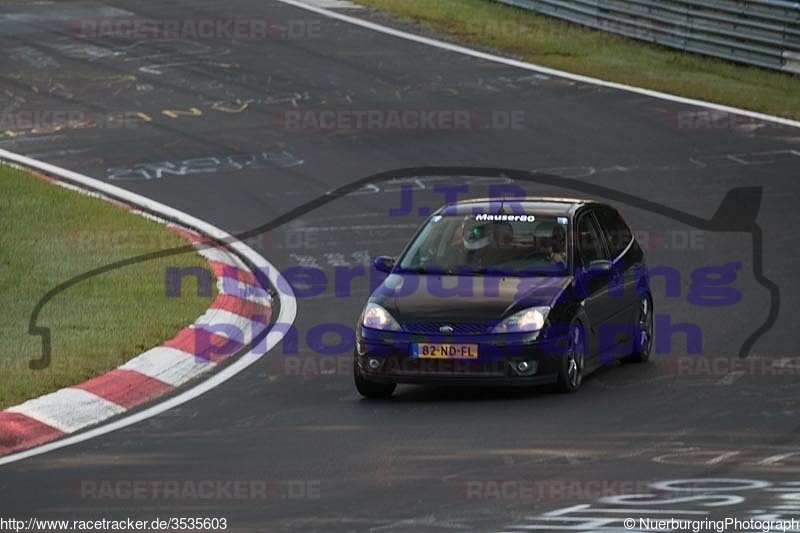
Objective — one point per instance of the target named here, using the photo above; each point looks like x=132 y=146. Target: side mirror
x=384 y=263
x=600 y=267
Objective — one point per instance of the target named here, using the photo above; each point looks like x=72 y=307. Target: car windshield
x=490 y=244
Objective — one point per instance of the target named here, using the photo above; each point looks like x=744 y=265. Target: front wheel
x=570 y=376
x=371 y=389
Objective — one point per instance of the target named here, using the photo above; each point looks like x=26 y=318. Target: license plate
x=444 y=351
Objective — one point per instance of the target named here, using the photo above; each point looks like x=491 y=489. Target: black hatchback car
x=510 y=292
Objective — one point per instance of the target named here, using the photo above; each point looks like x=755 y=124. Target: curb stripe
x=69 y=409
x=234 y=327
x=168 y=365
x=190 y=236
x=247 y=294
x=126 y=388
x=212 y=253
x=20 y=432
x=224 y=270
x=242 y=307
x=214 y=347
x=202 y=345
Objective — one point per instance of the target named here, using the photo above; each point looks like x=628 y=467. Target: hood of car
x=423 y=299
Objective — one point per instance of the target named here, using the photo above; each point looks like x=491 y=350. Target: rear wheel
x=371 y=389
x=643 y=341
x=570 y=377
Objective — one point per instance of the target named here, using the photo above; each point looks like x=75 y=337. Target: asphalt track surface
x=401 y=465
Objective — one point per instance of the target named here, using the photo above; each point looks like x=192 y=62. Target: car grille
x=458 y=329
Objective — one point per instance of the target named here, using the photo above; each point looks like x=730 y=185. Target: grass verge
x=48 y=235
x=554 y=43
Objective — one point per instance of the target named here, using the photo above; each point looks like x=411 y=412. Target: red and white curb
x=241 y=312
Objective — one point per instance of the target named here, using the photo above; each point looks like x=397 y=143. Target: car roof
x=542 y=205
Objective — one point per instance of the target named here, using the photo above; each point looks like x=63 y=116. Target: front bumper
x=383 y=356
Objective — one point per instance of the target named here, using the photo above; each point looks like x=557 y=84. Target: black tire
x=643 y=340
x=371 y=389
x=570 y=376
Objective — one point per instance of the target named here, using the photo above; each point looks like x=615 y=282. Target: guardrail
x=765 y=33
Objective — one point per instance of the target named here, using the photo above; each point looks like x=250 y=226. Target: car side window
x=588 y=242
x=617 y=233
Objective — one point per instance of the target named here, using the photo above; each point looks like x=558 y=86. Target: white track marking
x=532 y=66
x=335 y=4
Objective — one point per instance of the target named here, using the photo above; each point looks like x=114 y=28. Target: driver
x=558 y=245
x=482 y=241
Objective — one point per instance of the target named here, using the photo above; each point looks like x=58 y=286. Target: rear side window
x=616 y=231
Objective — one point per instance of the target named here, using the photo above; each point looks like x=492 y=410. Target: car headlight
x=376 y=317
x=531 y=319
